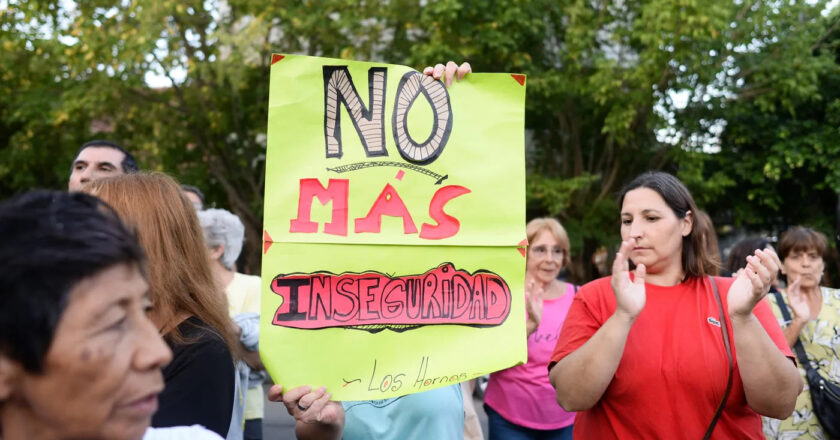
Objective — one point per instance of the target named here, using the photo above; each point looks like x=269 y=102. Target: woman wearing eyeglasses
x=519 y=401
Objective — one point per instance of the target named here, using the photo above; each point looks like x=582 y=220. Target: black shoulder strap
x=724 y=328
x=797 y=347
x=780 y=301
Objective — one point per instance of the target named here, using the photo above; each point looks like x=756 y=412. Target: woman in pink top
x=520 y=402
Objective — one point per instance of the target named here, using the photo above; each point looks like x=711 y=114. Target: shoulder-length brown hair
x=802 y=239
x=697 y=261
x=180 y=278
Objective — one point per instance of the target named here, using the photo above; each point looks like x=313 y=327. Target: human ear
x=216 y=252
x=688 y=223
x=9 y=372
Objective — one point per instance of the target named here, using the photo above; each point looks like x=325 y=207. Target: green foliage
x=775 y=166
x=601 y=77
x=36 y=132
x=554 y=197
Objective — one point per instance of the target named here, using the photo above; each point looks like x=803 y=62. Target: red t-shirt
x=673 y=372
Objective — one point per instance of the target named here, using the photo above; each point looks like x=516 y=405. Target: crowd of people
x=123 y=316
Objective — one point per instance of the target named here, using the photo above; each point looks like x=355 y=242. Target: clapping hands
x=533 y=305
x=753 y=282
x=798 y=301
x=629 y=295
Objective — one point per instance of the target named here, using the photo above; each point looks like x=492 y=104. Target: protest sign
x=393 y=230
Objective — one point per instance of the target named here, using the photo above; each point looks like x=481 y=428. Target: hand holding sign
x=316 y=416
x=448 y=72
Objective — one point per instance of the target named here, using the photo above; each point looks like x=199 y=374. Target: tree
x=38 y=138
x=207 y=124
x=601 y=83
x=778 y=141
x=601 y=77
x=777 y=123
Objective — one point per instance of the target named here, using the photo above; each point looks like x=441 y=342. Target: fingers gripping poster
x=394 y=225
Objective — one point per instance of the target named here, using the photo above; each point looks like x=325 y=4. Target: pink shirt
x=522 y=394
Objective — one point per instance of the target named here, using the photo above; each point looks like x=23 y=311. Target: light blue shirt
x=436 y=414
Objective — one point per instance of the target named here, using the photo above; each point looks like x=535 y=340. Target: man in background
x=194 y=195
x=97 y=159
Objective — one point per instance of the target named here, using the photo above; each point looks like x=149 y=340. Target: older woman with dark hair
x=666 y=351
x=79 y=358
x=813 y=320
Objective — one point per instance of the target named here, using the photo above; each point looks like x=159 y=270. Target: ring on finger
x=301 y=407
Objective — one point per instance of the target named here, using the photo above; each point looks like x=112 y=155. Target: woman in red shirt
x=643 y=354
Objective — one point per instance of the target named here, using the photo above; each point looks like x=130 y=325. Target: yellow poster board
x=394 y=226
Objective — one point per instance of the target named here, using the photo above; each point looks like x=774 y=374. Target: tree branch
x=825 y=35
x=753 y=92
x=166 y=102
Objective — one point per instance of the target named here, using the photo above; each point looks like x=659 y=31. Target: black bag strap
x=724 y=328
x=797 y=347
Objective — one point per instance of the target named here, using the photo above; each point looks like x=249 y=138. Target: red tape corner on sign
x=267 y=242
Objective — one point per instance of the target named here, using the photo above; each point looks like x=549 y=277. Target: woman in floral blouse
x=815 y=321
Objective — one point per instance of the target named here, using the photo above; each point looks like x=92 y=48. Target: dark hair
x=128 y=164
x=737 y=258
x=696 y=261
x=50 y=242
x=801 y=239
x=705 y=228
x=194 y=190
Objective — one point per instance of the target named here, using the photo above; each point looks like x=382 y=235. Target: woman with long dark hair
x=666 y=351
